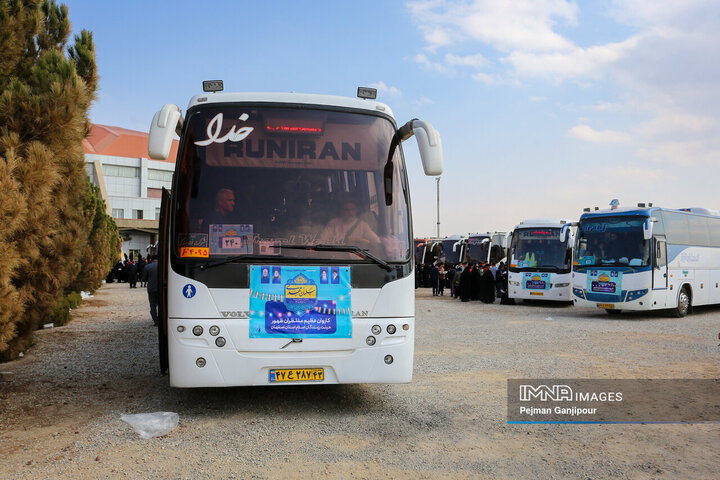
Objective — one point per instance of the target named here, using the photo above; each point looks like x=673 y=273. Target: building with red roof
x=131 y=184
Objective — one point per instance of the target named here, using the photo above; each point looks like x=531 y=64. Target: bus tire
x=613 y=311
x=684 y=303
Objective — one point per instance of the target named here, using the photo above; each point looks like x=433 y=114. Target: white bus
x=647 y=258
x=540 y=260
x=286 y=245
x=484 y=248
x=452 y=249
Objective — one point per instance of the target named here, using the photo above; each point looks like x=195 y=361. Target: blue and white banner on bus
x=604 y=281
x=300 y=302
x=536 y=281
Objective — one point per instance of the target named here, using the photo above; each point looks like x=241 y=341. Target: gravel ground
x=60 y=405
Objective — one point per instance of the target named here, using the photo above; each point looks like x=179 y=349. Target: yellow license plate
x=539 y=294
x=297 y=375
x=606 y=305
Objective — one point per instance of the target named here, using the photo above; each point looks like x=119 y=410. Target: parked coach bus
x=452 y=249
x=540 y=260
x=484 y=248
x=427 y=253
x=286 y=245
x=648 y=258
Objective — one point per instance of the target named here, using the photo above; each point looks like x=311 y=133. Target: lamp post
x=438 y=206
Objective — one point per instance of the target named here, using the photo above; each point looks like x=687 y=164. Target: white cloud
x=383 y=88
x=674 y=123
x=424 y=101
x=589 y=62
x=484 y=78
x=608 y=107
x=525 y=24
x=477 y=61
x=631 y=174
x=437 y=37
x=423 y=60
x=588 y=134
x=663 y=73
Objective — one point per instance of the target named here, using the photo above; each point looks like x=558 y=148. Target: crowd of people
x=144 y=270
x=466 y=281
x=128 y=270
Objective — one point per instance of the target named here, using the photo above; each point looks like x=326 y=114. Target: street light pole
x=438 y=206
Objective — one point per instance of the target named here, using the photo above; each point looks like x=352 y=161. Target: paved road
x=60 y=405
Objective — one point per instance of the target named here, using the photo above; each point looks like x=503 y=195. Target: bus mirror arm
x=388 y=170
x=406 y=131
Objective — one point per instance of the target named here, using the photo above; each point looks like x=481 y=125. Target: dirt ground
x=60 y=405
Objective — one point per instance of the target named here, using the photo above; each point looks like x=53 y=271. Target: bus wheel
x=683 y=306
x=613 y=311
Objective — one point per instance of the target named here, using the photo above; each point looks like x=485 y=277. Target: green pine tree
x=53 y=228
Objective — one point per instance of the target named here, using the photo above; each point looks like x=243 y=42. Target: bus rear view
x=286 y=245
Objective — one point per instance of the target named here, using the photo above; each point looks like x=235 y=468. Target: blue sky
x=544 y=106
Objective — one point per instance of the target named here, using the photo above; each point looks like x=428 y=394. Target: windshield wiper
x=236 y=258
x=340 y=248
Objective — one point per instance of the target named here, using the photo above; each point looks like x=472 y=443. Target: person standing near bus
x=435 y=279
x=441 y=281
x=150 y=276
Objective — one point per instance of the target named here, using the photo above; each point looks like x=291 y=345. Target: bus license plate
x=540 y=294
x=606 y=305
x=297 y=375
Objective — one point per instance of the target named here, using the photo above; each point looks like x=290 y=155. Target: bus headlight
x=376 y=329
x=197 y=330
x=200 y=362
x=391 y=329
x=388 y=359
x=220 y=341
x=562 y=285
x=181 y=328
x=370 y=340
x=214 y=330
x=511 y=282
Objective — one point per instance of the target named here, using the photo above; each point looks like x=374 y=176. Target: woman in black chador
x=487 y=286
x=466 y=283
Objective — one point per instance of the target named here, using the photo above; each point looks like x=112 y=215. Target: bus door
x=660 y=270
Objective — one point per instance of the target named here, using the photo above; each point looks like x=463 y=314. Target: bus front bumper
x=196 y=361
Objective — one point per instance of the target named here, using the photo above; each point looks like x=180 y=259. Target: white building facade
x=131 y=186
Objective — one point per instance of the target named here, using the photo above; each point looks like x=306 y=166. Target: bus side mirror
x=430 y=146
x=164 y=125
x=648 y=228
x=564 y=233
x=565 y=230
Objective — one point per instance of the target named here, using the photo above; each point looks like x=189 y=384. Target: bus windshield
x=254 y=178
x=607 y=241
x=451 y=256
x=539 y=248
x=477 y=249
